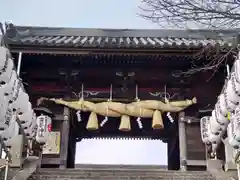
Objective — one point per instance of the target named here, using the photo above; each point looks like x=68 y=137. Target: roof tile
x=148 y=42
x=73 y=37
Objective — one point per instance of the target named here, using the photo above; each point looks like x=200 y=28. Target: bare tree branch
x=201 y=13
x=211 y=14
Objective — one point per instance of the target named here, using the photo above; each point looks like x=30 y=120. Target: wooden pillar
x=169 y=148
x=72 y=151
x=64 y=138
x=173 y=153
x=182 y=141
x=71 y=147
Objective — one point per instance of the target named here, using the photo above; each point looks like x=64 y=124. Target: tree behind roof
x=214 y=14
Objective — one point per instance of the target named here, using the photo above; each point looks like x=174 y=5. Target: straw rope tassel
x=125 y=124
x=92 y=122
x=81 y=100
x=157 y=121
x=139 y=122
x=105 y=120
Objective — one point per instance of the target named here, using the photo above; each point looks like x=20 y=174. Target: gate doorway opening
x=121 y=152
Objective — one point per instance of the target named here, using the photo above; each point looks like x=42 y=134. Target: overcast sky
x=74 y=13
x=91 y=14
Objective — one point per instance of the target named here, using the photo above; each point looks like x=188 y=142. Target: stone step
x=112 y=177
x=114 y=173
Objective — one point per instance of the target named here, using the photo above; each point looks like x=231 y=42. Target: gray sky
x=74 y=13
x=91 y=14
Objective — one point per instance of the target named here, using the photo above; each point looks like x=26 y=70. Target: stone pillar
x=16 y=151
x=1 y=150
x=182 y=142
x=229 y=156
x=64 y=138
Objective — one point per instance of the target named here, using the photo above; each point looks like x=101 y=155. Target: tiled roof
x=118 y=38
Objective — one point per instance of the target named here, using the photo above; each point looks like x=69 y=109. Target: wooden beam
x=97 y=50
x=103 y=85
x=64 y=138
x=103 y=77
x=104 y=90
x=182 y=141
